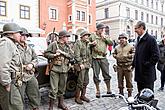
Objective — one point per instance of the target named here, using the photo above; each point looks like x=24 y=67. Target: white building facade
x=122 y=15
x=23 y=12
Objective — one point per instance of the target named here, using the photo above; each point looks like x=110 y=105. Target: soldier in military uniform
x=59 y=52
x=10 y=68
x=29 y=60
x=82 y=56
x=123 y=54
x=99 y=43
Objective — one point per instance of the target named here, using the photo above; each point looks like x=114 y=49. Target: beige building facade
x=121 y=16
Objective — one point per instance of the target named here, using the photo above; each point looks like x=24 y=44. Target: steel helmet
x=11 y=28
x=100 y=26
x=146 y=95
x=83 y=33
x=123 y=35
x=64 y=33
x=24 y=31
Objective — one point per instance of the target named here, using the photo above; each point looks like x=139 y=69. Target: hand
x=7 y=87
x=94 y=43
x=29 y=66
x=60 y=51
x=57 y=54
x=82 y=66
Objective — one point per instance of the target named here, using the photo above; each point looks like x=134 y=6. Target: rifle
x=50 y=62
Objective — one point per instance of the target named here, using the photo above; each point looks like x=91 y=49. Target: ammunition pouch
x=58 y=60
x=18 y=79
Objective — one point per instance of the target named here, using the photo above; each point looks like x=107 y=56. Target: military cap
x=11 y=28
x=100 y=26
x=83 y=33
x=123 y=35
x=24 y=31
x=64 y=33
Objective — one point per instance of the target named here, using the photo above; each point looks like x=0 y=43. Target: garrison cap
x=83 y=33
x=64 y=33
x=11 y=28
x=123 y=35
x=100 y=26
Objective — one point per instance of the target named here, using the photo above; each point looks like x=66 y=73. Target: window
x=128 y=12
x=90 y=19
x=2 y=8
x=136 y=15
x=142 y=2
x=83 y=16
x=152 y=4
x=162 y=7
x=53 y=13
x=136 y=1
x=152 y=19
x=147 y=18
x=156 y=34
x=161 y=21
x=147 y=3
x=89 y=2
x=156 y=20
x=106 y=13
x=156 y=5
x=78 y=15
x=69 y=18
x=142 y=16
x=24 y=12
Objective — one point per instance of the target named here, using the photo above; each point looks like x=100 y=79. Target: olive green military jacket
x=99 y=51
x=82 y=53
x=124 y=55
x=28 y=56
x=10 y=60
x=61 y=62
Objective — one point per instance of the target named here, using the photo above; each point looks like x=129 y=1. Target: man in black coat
x=145 y=59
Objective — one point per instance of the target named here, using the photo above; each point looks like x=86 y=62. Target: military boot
x=129 y=93
x=61 y=103
x=121 y=91
x=51 y=102
x=77 y=97
x=108 y=87
x=97 y=90
x=83 y=97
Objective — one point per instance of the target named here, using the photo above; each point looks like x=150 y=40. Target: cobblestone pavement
x=104 y=103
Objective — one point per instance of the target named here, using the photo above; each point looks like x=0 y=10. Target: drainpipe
x=73 y=19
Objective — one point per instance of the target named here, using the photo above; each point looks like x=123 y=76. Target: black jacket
x=161 y=62
x=145 y=59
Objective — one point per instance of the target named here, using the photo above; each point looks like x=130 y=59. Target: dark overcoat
x=145 y=59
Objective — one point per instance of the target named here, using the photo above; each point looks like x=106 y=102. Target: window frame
x=25 y=12
x=53 y=11
x=5 y=8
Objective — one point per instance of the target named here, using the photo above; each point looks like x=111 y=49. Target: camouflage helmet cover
x=11 y=28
